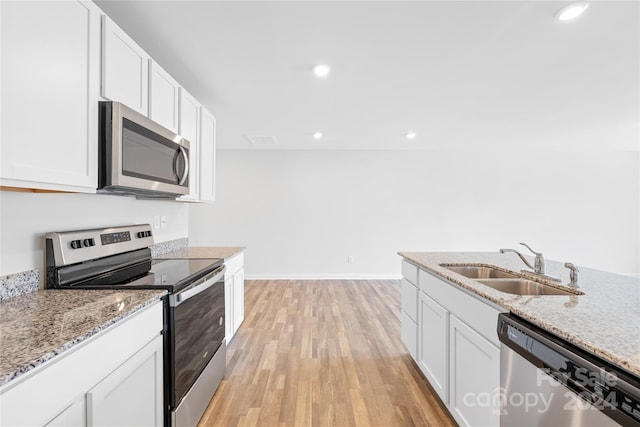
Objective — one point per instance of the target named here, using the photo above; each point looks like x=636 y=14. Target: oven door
x=196 y=323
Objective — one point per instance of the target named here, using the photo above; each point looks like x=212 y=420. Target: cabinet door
x=190 y=130
x=238 y=299
x=50 y=88
x=475 y=377
x=73 y=416
x=132 y=395
x=125 y=75
x=164 y=95
x=409 y=334
x=433 y=344
x=207 y=156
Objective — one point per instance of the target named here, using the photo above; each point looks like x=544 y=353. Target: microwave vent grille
x=262 y=140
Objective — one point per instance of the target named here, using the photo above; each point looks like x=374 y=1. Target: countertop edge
x=493 y=296
x=40 y=362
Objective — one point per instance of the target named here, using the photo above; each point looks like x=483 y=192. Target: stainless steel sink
x=523 y=287
x=479 y=271
x=506 y=281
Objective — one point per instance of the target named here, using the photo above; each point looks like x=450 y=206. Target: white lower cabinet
x=474 y=377
x=113 y=379
x=73 y=416
x=458 y=347
x=433 y=344
x=132 y=394
x=233 y=295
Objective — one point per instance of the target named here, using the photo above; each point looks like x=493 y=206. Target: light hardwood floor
x=322 y=353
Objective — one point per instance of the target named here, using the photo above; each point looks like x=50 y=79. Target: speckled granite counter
x=605 y=320
x=37 y=326
x=225 y=252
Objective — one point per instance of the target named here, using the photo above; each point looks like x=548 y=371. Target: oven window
x=148 y=155
x=197 y=335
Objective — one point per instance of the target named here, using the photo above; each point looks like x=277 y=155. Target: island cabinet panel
x=474 y=377
x=50 y=83
x=458 y=350
x=409 y=319
x=471 y=309
x=410 y=272
x=433 y=342
x=116 y=373
x=409 y=334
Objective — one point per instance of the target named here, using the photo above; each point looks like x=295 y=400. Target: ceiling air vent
x=262 y=140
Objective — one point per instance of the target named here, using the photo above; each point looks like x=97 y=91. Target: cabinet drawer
x=410 y=272
x=470 y=309
x=409 y=299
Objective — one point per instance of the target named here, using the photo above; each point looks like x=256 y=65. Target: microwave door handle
x=185 y=174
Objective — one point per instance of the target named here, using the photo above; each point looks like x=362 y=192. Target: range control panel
x=118 y=237
x=70 y=247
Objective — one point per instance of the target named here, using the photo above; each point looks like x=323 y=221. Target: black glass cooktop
x=172 y=274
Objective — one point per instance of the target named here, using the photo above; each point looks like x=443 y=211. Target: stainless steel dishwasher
x=545 y=381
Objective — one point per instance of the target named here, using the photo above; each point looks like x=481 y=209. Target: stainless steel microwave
x=138 y=156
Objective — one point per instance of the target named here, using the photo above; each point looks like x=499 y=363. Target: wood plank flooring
x=322 y=353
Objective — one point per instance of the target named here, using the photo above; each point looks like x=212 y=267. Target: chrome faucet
x=573 y=275
x=538 y=266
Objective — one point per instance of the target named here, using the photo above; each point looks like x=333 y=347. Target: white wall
x=302 y=213
x=27 y=216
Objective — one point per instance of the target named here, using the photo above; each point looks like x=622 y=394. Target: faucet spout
x=502 y=251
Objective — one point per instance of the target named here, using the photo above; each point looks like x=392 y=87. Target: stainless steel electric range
x=194 y=341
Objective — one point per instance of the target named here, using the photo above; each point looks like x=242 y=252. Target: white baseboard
x=323 y=277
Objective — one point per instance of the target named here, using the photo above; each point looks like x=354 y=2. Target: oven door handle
x=200 y=286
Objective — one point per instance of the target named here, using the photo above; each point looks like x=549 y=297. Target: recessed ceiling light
x=571 y=10
x=317 y=135
x=411 y=135
x=321 y=70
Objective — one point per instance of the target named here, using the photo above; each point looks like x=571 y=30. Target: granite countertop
x=225 y=252
x=604 y=321
x=38 y=326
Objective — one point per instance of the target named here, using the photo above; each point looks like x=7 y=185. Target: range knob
x=88 y=243
x=76 y=244
x=141 y=234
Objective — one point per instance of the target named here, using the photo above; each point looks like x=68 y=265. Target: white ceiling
x=462 y=74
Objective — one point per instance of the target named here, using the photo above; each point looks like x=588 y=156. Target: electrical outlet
x=350 y=259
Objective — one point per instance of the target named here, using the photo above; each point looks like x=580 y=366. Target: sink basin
x=479 y=272
x=523 y=287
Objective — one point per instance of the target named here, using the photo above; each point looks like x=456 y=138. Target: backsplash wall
x=26 y=217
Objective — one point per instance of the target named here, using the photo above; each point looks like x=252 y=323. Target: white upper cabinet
x=49 y=95
x=190 y=130
x=207 y=156
x=125 y=75
x=164 y=97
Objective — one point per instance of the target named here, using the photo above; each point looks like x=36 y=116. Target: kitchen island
x=604 y=321
x=450 y=322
